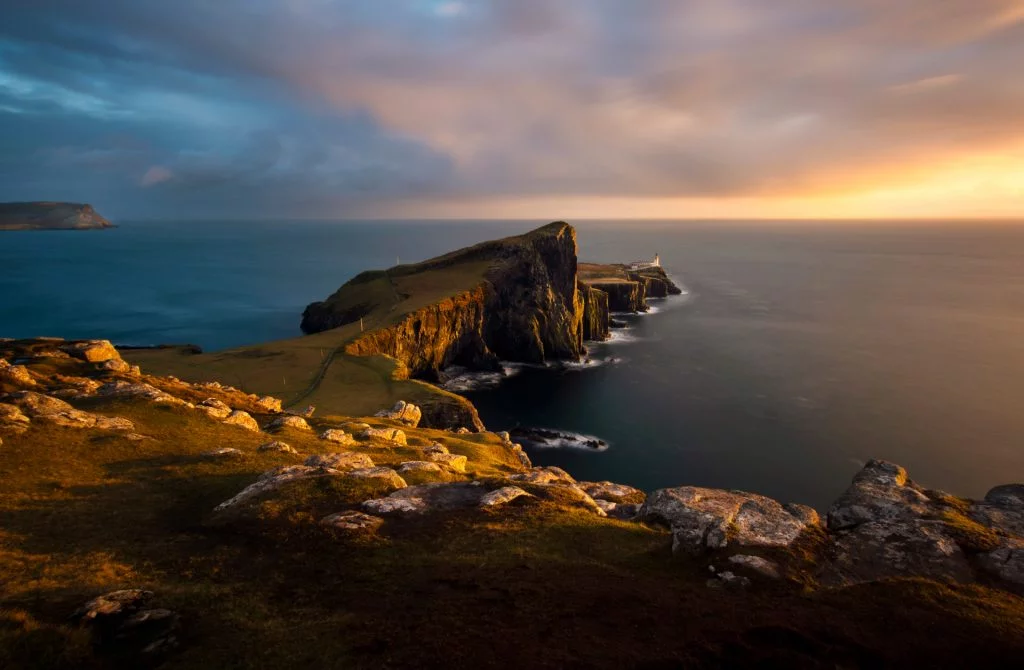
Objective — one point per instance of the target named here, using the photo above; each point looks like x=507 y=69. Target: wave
x=545 y=438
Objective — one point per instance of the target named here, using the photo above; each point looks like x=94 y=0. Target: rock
x=120 y=619
x=289 y=421
x=385 y=475
x=12 y=419
x=15 y=374
x=272 y=479
x=278 y=446
x=894 y=548
x=135 y=371
x=425 y=498
x=450 y=461
x=760 y=565
x=501 y=496
x=436 y=448
x=341 y=461
x=524 y=459
x=214 y=408
x=1006 y=563
x=728 y=579
x=352 y=521
x=37 y=404
x=546 y=475
x=1002 y=510
x=223 y=452
x=388 y=434
x=93 y=351
x=702 y=519
x=505 y=437
x=136 y=437
x=269 y=403
x=612 y=492
x=113 y=365
x=1007 y=495
x=137 y=391
x=113 y=423
x=403 y=412
x=462 y=430
x=355 y=427
x=337 y=436
x=418 y=466
x=307 y=411
x=242 y=420
x=53 y=410
x=880 y=491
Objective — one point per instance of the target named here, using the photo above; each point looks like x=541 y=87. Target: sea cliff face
x=50 y=216
x=596 y=320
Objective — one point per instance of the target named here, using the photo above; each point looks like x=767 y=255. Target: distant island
x=50 y=216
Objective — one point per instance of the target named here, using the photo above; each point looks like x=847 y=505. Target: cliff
x=50 y=216
x=627 y=289
x=596 y=318
x=513 y=299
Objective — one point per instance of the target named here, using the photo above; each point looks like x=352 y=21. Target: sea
x=798 y=351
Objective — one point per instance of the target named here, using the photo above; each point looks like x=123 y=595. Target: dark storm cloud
x=314 y=106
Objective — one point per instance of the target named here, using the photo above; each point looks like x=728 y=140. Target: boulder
x=703 y=519
x=881 y=491
x=223 y=452
x=546 y=475
x=289 y=421
x=451 y=461
x=93 y=351
x=524 y=459
x=341 y=461
x=114 y=365
x=242 y=420
x=37 y=404
x=337 y=436
x=120 y=620
x=1006 y=563
x=387 y=434
x=17 y=375
x=418 y=466
x=436 y=448
x=272 y=479
x=758 y=564
x=505 y=494
x=12 y=419
x=620 y=511
x=403 y=412
x=53 y=410
x=271 y=404
x=385 y=475
x=352 y=521
x=137 y=391
x=425 y=498
x=278 y=446
x=1002 y=509
x=612 y=492
x=215 y=409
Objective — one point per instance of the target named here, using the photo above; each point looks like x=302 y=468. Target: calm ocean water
x=800 y=351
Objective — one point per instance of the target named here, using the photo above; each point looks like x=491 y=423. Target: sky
x=540 y=109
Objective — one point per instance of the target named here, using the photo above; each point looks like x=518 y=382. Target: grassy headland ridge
x=151 y=520
x=50 y=216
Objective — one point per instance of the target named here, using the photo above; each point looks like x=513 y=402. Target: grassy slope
x=532 y=585
x=351 y=385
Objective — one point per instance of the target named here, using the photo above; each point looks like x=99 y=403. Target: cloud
x=320 y=108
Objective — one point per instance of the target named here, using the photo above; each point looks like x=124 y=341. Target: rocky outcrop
x=122 y=623
x=50 y=216
x=702 y=519
x=403 y=412
x=623 y=295
x=525 y=307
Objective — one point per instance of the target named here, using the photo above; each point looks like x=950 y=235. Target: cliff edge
x=50 y=216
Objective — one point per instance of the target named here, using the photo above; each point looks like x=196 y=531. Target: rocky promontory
x=50 y=216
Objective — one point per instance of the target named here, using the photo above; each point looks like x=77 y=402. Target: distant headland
x=50 y=216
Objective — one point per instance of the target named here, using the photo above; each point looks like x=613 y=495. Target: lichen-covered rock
x=53 y=410
x=425 y=498
x=352 y=521
x=269 y=403
x=289 y=421
x=403 y=412
x=12 y=419
x=17 y=375
x=1006 y=563
x=223 y=452
x=337 y=436
x=545 y=475
x=418 y=466
x=278 y=446
x=505 y=494
x=436 y=448
x=114 y=365
x=386 y=476
x=93 y=351
x=524 y=459
x=620 y=511
x=881 y=491
x=612 y=492
x=345 y=460
x=137 y=391
x=1002 y=509
x=387 y=434
x=758 y=564
x=453 y=462
x=215 y=409
x=273 y=479
x=242 y=420
x=121 y=620
x=702 y=519
x=37 y=404
x=388 y=506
